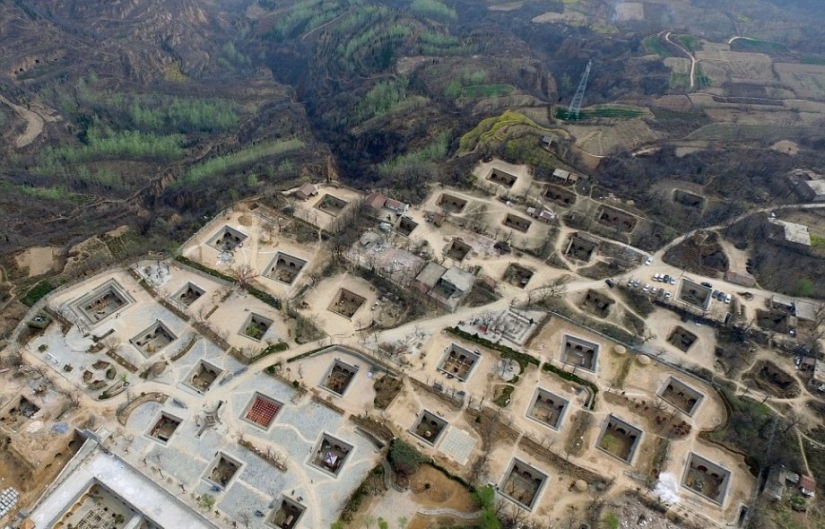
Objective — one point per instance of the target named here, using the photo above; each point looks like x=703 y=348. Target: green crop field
x=434 y=152
x=433 y=9
x=102 y=145
x=763 y=46
x=690 y=42
x=702 y=80
x=653 y=44
x=226 y=163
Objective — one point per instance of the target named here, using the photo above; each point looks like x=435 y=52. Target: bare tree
x=648 y=335
x=111 y=344
x=243 y=274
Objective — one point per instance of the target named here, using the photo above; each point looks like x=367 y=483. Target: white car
x=667 y=295
x=727 y=298
x=649 y=261
x=646 y=288
x=672 y=280
x=657 y=277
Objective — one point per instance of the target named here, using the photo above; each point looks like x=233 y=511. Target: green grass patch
x=433 y=9
x=702 y=80
x=527 y=150
x=37 y=292
x=433 y=152
x=690 y=42
x=494 y=129
x=759 y=46
x=382 y=98
x=679 y=81
x=817 y=240
x=46 y=193
x=267 y=298
x=205 y=269
x=812 y=59
x=371 y=34
x=358 y=17
x=523 y=359
x=437 y=40
x=653 y=44
x=303 y=17
x=159 y=113
x=224 y=164
x=124 y=246
x=101 y=145
x=611 y=521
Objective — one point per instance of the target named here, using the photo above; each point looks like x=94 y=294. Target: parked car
x=666 y=278
x=727 y=298
x=657 y=277
x=653 y=291
x=649 y=261
x=630 y=283
x=637 y=283
x=706 y=284
x=672 y=280
x=646 y=288
x=610 y=283
x=667 y=296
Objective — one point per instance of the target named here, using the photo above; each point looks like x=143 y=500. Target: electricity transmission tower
x=576 y=105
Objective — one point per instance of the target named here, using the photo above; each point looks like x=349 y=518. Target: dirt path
x=802 y=451
x=690 y=56
x=737 y=259
x=34 y=123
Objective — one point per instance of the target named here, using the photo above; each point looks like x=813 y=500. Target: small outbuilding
x=306 y=191
x=807 y=486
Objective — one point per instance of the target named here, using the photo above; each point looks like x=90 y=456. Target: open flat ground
x=39 y=260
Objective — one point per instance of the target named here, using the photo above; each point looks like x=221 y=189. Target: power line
x=576 y=105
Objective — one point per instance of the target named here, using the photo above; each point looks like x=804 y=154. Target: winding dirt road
x=690 y=56
x=34 y=123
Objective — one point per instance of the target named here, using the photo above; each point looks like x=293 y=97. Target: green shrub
x=404 y=457
x=573 y=378
x=523 y=359
x=433 y=9
x=37 y=292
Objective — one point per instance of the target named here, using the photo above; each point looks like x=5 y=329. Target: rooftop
x=461 y=279
x=307 y=190
x=807 y=482
x=817 y=186
x=796 y=233
x=375 y=200
x=805 y=310
x=93 y=465
x=781 y=299
x=431 y=274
